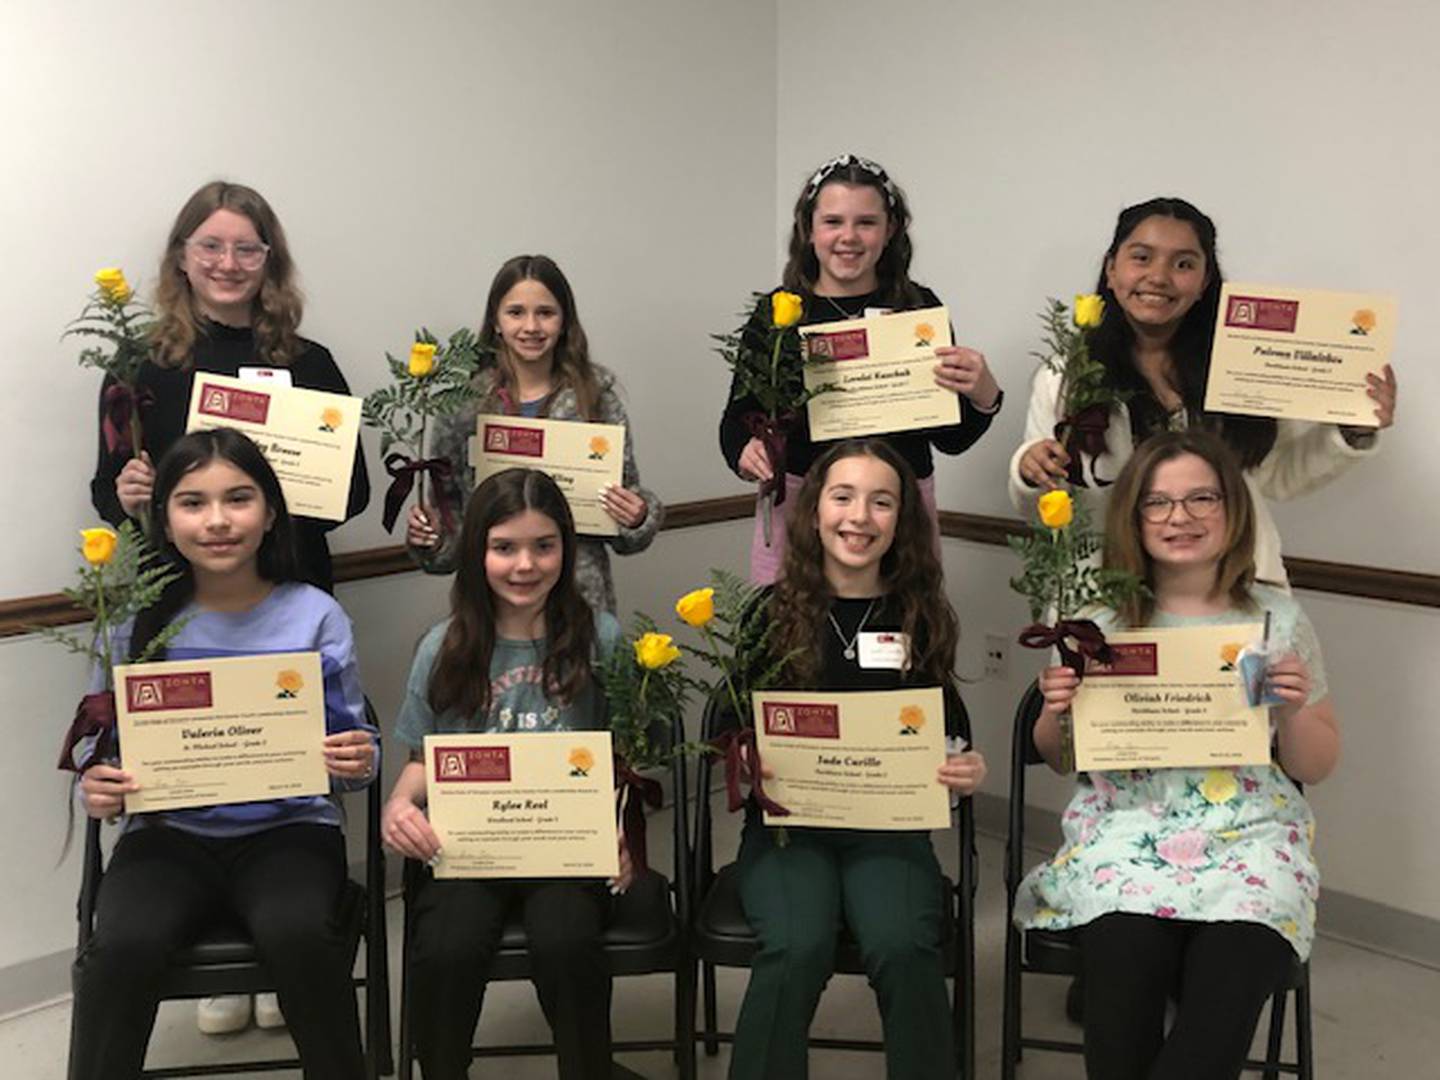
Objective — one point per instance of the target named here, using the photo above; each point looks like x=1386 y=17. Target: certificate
x=1173 y=698
x=854 y=760
x=308 y=436
x=217 y=731
x=581 y=458
x=539 y=804
x=884 y=366
x=1300 y=354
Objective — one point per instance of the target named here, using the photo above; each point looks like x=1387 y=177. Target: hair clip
x=863 y=164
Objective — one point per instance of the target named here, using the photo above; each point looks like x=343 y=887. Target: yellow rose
x=1364 y=320
x=924 y=333
x=332 y=418
x=785 y=309
x=290 y=681
x=1230 y=653
x=1056 y=509
x=655 y=651
x=422 y=359
x=599 y=446
x=696 y=608
x=98 y=545
x=912 y=718
x=1218 y=787
x=581 y=760
x=113 y=285
x=1089 y=310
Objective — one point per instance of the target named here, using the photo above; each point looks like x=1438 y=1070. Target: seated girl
x=514 y=655
x=278 y=866
x=1193 y=879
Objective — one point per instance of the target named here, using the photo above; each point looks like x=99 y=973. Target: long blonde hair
x=275 y=313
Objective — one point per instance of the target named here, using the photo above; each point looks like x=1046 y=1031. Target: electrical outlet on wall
x=997 y=651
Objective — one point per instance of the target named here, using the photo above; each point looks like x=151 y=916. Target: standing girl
x=516 y=654
x=1201 y=878
x=850 y=255
x=277 y=866
x=226 y=304
x=541 y=367
x=1160 y=281
x=860 y=561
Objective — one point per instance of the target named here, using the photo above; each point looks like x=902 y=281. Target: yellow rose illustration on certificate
x=331 y=418
x=581 y=761
x=1229 y=655
x=1363 y=320
x=290 y=683
x=599 y=447
x=924 y=335
x=912 y=719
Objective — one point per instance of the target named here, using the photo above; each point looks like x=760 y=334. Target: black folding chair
x=722 y=936
x=1048 y=952
x=224 y=960
x=646 y=935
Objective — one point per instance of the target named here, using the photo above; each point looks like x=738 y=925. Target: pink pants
x=765 y=560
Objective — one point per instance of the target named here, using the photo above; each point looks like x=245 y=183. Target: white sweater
x=1305 y=457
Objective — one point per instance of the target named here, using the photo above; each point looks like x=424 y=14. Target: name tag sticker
x=884 y=649
x=278 y=376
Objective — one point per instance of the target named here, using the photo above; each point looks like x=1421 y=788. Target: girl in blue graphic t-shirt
x=515 y=655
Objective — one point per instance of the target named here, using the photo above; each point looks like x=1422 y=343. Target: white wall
x=1306 y=131
x=408 y=149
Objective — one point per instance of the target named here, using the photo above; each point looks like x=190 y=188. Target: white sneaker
x=223 y=1015
x=267 y=1012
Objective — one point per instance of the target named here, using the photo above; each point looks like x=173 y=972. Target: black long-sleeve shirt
x=800 y=451
x=224 y=350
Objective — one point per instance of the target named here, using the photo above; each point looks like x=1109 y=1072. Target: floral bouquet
x=770 y=366
x=647 y=689
x=435 y=381
x=1086 y=400
x=1059 y=576
x=121 y=577
x=122 y=326
x=728 y=614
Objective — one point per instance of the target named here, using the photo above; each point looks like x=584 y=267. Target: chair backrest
x=703 y=866
x=1023 y=754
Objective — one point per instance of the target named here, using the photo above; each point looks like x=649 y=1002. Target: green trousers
x=888 y=888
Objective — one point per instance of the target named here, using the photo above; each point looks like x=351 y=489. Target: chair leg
x=1010 y=1006
x=685 y=1018
x=1304 y=1033
x=407 y=1052
x=1277 y=1032
x=712 y=1044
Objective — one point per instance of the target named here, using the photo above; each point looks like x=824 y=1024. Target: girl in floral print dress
x=1197 y=884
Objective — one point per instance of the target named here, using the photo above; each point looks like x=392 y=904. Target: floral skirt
x=1207 y=845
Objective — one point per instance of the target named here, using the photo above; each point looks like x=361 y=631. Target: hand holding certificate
x=581 y=458
x=885 y=364
x=1300 y=354
x=212 y=732
x=855 y=760
x=1171 y=698
x=308 y=436
x=530 y=805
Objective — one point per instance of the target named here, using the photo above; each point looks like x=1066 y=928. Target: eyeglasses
x=209 y=251
x=1198 y=504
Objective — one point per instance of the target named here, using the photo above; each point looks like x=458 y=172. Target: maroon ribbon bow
x=742 y=756
x=118 y=408
x=1089 y=642
x=95 y=715
x=642 y=792
x=1084 y=434
x=403 y=471
x=772 y=431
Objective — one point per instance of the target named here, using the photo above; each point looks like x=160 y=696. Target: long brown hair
x=909 y=572
x=460 y=679
x=276 y=310
x=892 y=270
x=1125 y=546
x=572 y=350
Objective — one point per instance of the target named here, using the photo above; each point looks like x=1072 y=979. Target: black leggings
x=164 y=887
x=1220 y=973
x=455 y=928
